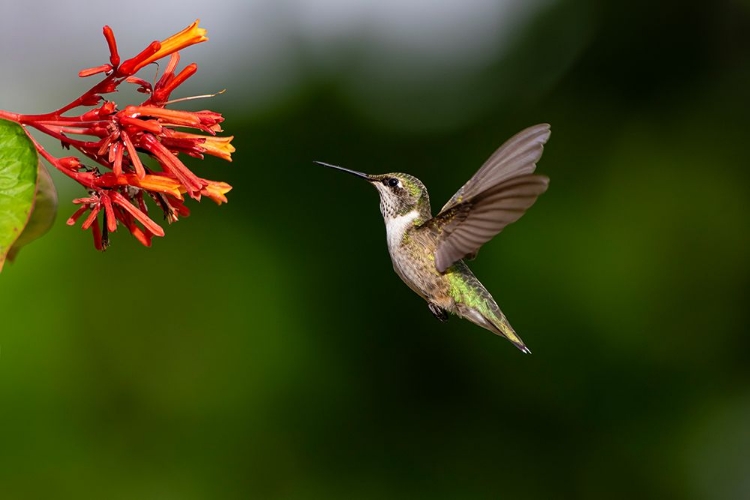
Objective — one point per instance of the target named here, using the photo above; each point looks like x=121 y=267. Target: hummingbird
x=428 y=252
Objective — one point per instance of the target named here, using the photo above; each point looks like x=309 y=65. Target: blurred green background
x=265 y=348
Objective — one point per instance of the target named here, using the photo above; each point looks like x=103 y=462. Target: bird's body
x=427 y=252
x=412 y=245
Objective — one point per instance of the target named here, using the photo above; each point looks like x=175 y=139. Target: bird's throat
x=396 y=227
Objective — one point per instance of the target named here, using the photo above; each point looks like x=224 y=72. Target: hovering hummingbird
x=428 y=252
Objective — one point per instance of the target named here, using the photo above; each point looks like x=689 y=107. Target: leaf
x=18 y=177
x=42 y=213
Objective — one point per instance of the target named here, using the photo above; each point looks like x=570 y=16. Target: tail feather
x=509 y=333
x=472 y=301
x=497 y=323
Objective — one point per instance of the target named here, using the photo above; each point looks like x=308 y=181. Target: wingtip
x=524 y=349
x=544 y=130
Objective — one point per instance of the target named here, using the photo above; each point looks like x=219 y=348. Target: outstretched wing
x=497 y=195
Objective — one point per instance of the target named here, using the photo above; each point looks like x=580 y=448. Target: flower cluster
x=113 y=138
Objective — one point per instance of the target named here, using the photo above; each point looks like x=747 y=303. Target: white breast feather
x=396 y=227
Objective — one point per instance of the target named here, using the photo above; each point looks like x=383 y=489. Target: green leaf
x=42 y=214
x=18 y=176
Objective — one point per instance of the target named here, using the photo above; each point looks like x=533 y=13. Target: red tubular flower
x=216 y=191
x=115 y=138
x=185 y=38
x=162 y=92
x=114 y=57
x=195 y=145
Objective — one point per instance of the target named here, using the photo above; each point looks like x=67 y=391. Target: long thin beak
x=353 y=172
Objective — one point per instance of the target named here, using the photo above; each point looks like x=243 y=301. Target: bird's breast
x=413 y=254
x=396 y=227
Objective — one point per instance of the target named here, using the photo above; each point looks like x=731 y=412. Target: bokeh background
x=265 y=348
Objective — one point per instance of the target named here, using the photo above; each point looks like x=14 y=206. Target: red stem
x=64 y=138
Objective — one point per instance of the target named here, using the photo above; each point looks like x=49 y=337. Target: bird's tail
x=495 y=321
x=502 y=327
x=474 y=302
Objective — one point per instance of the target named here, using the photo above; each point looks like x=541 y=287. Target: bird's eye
x=393 y=182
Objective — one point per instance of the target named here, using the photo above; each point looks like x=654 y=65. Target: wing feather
x=497 y=195
x=517 y=156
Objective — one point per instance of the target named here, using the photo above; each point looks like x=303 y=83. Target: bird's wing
x=497 y=195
